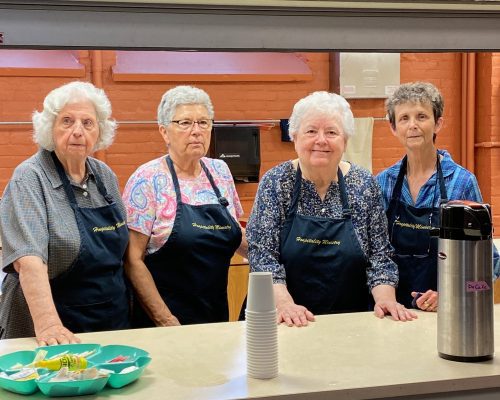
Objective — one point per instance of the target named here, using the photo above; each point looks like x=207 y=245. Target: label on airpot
x=476 y=286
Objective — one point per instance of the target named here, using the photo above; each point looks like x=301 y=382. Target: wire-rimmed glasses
x=188 y=124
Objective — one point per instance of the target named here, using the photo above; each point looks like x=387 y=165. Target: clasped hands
x=426 y=301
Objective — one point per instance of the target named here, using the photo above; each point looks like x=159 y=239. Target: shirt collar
x=51 y=171
x=447 y=165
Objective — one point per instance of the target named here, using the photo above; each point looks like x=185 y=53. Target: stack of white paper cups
x=261 y=326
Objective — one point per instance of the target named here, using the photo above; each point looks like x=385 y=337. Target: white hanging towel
x=359 y=147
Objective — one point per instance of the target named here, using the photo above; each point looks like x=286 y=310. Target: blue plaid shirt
x=460 y=183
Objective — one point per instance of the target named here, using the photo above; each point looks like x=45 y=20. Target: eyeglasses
x=187 y=124
x=426 y=252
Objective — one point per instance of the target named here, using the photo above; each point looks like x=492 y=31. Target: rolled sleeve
x=23 y=220
x=382 y=270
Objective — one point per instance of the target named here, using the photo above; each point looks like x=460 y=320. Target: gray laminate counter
x=346 y=356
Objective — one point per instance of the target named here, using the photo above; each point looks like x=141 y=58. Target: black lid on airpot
x=465 y=220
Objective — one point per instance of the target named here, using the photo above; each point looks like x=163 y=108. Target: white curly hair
x=57 y=99
x=323 y=102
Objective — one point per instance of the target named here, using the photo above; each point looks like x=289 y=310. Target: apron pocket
x=92 y=317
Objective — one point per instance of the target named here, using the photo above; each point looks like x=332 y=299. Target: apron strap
x=396 y=192
x=222 y=200
x=346 y=211
x=100 y=186
x=442 y=187
x=295 y=192
x=171 y=168
x=67 y=185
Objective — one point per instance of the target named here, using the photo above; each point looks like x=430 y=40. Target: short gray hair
x=179 y=96
x=415 y=92
x=57 y=99
x=323 y=102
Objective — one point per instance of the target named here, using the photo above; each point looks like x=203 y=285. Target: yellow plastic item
x=70 y=361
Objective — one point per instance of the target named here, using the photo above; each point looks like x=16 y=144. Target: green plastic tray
x=73 y=388
x=117 y=380
x=107 y=353
x=135 y=356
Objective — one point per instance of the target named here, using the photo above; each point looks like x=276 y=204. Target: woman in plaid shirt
x=414 y=188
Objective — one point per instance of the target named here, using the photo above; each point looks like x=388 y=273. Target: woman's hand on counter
x=427 y=301
x=34 y=280
x=396 y=310
x=288 y=312
x=385 y=304
x=55 y=334
x=170 y=320
x=293 y=314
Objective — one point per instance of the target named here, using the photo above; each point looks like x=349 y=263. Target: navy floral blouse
x=272 y=203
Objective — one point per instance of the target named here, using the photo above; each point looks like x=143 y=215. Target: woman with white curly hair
x=318 y=223
x=63 y=226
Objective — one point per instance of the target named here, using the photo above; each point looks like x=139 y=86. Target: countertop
x=344 y=356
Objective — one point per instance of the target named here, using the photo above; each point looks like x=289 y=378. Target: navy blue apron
x=92 y=295
x=190 y=270
x=325 y=265
x=409 y=231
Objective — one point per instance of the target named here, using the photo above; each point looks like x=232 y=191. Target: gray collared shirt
x=36 y=219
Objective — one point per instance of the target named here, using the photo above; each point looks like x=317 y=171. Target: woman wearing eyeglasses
x=318 y=223
x=414 y=188
x=183 y=212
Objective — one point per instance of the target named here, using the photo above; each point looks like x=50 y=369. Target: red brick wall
x=19 y=98
x=136 y=144
x=441 y=69
x=495 y=138
x=487 y=156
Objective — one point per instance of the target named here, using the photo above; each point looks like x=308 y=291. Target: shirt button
x=84 y=186
x=85 y=194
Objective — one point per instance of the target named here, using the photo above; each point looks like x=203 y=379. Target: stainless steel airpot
x=465 y=282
